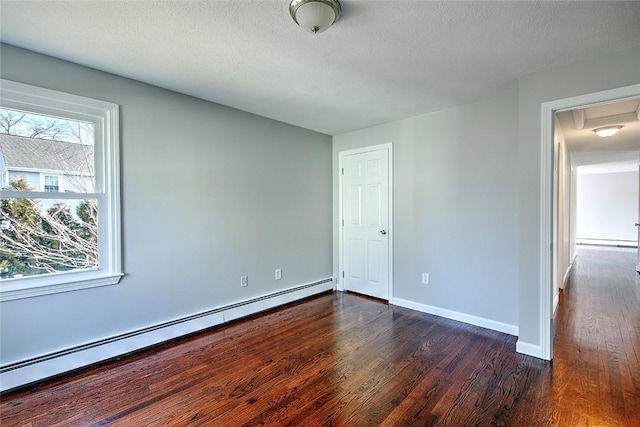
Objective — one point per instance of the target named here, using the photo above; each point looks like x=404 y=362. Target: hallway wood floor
x=342 y=359
x=595 y=378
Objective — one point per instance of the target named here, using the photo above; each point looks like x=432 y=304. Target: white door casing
x=365 y=221
x=638 y=224
x=545 y=349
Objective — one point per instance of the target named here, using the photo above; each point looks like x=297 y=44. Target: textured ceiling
x=382 y=60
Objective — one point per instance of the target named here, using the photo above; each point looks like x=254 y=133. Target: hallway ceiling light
x=607 y=131
x=315 y=16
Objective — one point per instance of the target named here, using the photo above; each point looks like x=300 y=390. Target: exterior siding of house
x=70 y=163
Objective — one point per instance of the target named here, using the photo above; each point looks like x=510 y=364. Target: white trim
x=341 y=155
x=460 y=317
x=529 y=349
x=548 y=110
x=20 y=169
x=59 y=181
x=13 y=289
x=15 y=194
x=105 y=118
x=90 y=353
x=546 y=232
x=567 y=274
x=556 y=300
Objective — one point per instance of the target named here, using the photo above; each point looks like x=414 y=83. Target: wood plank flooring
x=342 y=359
x=595 y=379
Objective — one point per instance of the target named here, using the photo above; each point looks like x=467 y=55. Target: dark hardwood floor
x=348 y=360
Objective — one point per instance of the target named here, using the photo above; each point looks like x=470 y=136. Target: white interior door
x=365 y=204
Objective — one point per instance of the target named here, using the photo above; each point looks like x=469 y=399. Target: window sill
x=53 y=284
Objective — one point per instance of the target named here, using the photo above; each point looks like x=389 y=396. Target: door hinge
x=343 y=222
x=342 y=171
x=343 y=274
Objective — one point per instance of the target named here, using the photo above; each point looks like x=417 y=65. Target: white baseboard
x=565 y=278
x=36 y=369
x=567 y=274
x=529 y=349
x=460 y=317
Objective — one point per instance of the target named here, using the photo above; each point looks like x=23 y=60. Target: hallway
x=595 y=375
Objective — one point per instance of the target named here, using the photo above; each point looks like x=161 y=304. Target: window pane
x=51 y=184
x=33 y=146
x=41 y=236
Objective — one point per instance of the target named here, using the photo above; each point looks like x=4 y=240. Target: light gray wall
x=208 y=194
x=563 y=188
x=606 y=72
x=607 y=206
x=566 y=238
x=466 y=206
x=455 y=205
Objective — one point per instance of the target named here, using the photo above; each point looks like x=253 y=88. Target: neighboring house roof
x=46 y=155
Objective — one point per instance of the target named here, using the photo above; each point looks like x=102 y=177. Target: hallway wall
x=607 y=206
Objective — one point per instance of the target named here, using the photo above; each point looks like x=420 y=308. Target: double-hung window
x=60 y=198
x=51 y=184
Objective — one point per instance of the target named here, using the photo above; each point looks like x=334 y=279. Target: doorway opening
x=552 y=152
x=595 y=181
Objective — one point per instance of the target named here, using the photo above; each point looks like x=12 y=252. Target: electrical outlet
x=244 y=281
x=278 y=273
x=425 y=278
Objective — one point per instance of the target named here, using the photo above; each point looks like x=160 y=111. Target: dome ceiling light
x=315 y=16
x=607 y=131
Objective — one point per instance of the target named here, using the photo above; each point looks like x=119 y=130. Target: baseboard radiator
x=32 y=370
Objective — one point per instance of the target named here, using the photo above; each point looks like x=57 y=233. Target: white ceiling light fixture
x=607 y=131
x=315 y=16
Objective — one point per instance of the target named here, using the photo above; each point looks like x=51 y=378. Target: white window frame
x=104 y=116
x=43 y=182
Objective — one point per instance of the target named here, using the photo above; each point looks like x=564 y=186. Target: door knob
x=383 y=232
